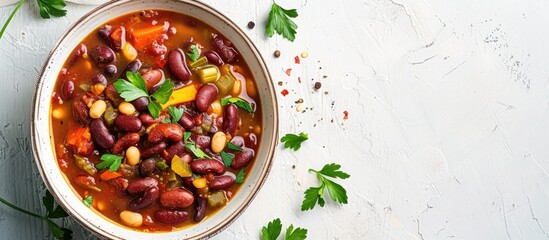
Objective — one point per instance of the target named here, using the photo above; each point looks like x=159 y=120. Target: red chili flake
x=345 y=115
x=288 y=71
x=284 y=92
x=296 y=60
x=299 y=79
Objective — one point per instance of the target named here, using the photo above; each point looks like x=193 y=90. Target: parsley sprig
x=279 y=21
x=194 y=54
x=46 y=7
x=274 y=228
x=239 y=102
x=316 y=194
x=175 y=113
x=60 y=233
x=110 y=161
x=293 y=141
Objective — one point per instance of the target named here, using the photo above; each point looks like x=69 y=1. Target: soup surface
x=155 y=120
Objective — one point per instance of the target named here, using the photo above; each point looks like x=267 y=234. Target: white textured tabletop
x=448 y=127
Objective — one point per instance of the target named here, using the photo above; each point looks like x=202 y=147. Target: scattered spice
x=304 y=55
x=284 y=92
x=345 y=115
x=299 y=100
x=277 y=54
x=299 y=107
x=299 y=79
x=251 y=25
x=318 y=85
x=288 y=71
x=280 y=83
x=297 y=60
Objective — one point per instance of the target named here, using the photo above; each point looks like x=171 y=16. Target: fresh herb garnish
x=273 y=229
x=60 y=233
x=233 y=146
x=135 y=88
x=176 y=113
x=191 y=146
x=110 y=161
x=293 y=141
x=316 y=194
x=279 y=21
x=162 y=165
x=186 y=136
x=239 y=102
x=46 y=7
x=194 y=54
x=88 y=200
x=227 y=158
x=166 y=120
x=240 y=176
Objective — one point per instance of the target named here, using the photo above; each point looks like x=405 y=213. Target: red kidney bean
x=124 y=142
x=110 y=70
x=201 y=141
x=222 y=182
x=251 y=140
x=102 y=54
x=153 y=150
x=82 y=49
x=205 y=96
x=147 y=166
x=214 y=58
x=138 y=186
x=212 y=154
x=242 y=158
x=121 y=184
x=198 y=119
x=228 y=54
x=205 y=166
x=238 y=141
x=105 y=33
x=133 y=66
x=147 y=119
x=141 y=104
x=178 y=65
x=177 y=148
x=166 y=131
x=230 y=119
x=171 y=216
x=98 y=78
x=128 y=123
x=186 y=121
x=152 y=77
x=80 y=112
x=149 y=198
x=100 y=134
x=200 y=209
x=67 y=89
x=177 y=198
x=128 y=171
x=112 y=94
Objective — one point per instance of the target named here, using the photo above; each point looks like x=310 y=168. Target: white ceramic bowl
x=41 y=127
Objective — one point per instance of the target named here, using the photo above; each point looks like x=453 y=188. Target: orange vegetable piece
x=79 y=140
x=145 y=36
x=182 y=95
x=108 y=175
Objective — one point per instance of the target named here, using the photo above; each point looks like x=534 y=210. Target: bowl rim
x=269 y=148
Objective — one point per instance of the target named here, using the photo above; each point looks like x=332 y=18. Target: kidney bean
x=251 y=141
x=205 y=166
x=121 y=184
x=157 y=49
x=177 y=148
x=147 y=119
x=110 y=70
x=80 y=112
x=128 y=123
x=67 y=89
x=242 y=158
x=200 y=209
x=198 y=119
x=212 y=154
x=222 y=182
x=153 y=150
x=124 y=142
x=152 y=77
x=238 y=141
x=214 y=58
x=205 y=96
x=138 y=186
x=230 y=119
x=112 y=94
x=98 y=78
x=228 y=54
x=100 y=134
x=171 y=216
x=201 y=141
x=141 y=104
x=147 y=166
x=105 y=33
x=178 y=65
x=149 y=198
x=133 y=66
x=102 y=54
x=166 y=131
x=177 y=198
x=186 y=121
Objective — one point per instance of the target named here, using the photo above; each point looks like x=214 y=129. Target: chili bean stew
x=156 y=120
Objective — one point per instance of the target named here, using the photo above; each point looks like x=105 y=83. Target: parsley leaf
x=240 y=176
x=136 y=80
x=51 y=7
x=272 y=230
x=111 y=161
x=297 y=234
x=186 y=136
x=88 y=200
x=279 y=21
x=293 y=141
x=175 y=113
x=227 y=158
x=162 y=95
x=196 y=151
x=233 y=146
x=194 y=54
x=128 y=91
x=59 y=232
x=154 y=109
x=166 y=120
x=316 y=194
x=239 y=102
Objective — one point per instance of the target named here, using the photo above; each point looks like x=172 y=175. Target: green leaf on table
x=336 y=192
x=293 y=141
x=48 y=201
x=297 y=234
x=51 y=7
x=332 y=170
x=272 y=230
x=59 y=232
x=58 y=212
x=279 y=21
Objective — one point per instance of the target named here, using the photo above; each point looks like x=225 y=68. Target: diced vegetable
x=182 y=95
x=199 y=182
x=144 y=36
x=85 y=164
x=181 y=167
x=86 y=182
x=110 y=115
x=217 y=198
x=85 y=87
x=225 y=83
x=79 y=140
x=108 y=175
x=129 y=52
x=208 y=74
x=199 y=63
x=162 y=165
